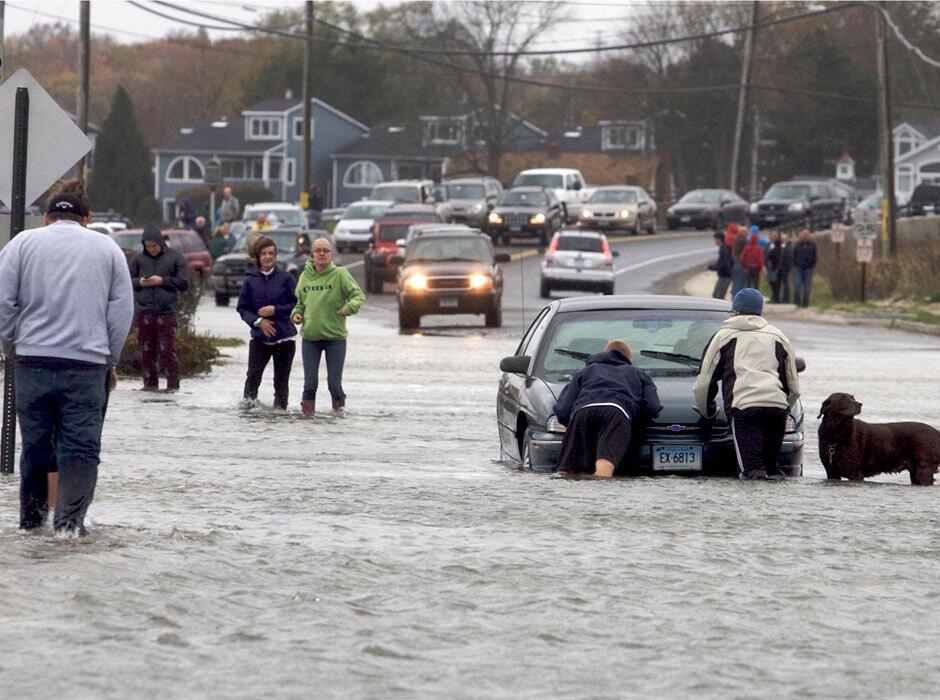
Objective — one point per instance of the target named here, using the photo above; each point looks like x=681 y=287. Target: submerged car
x=353 y=231
x=228 y=271
x=702 y=209
x=624 y=208
x=668 y=335
x=578 y=260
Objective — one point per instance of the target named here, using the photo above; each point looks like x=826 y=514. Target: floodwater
x=387 y=553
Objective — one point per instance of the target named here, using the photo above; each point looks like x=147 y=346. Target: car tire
x=221 y=299
x=635 y=231
x=651 y=230
x=408 y=319
x=545 y=291
x=525 y=451
x=608 y=289
x=494 y=314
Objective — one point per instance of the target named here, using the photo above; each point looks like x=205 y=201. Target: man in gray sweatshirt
x=66 y=306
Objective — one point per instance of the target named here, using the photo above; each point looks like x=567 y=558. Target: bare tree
x=497 y=33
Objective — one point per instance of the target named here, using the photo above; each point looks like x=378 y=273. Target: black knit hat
x=67 y=204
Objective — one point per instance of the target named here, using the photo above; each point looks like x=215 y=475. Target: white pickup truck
x=567 y=184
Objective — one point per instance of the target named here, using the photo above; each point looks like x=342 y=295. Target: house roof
x=845 y=159
x=930 y=130
x=392 y=139
x=274 y=104
x=578 y=139
x=202 y=136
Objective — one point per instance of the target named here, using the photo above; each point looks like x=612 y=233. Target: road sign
x=864 y=250
x=55 y=142
x=867 y=224
x=213 y=176
x=838 y=232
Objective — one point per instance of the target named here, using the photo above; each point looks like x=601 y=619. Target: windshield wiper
x=583 y=356
x=688 y=360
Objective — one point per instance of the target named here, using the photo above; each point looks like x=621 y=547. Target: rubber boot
x=339 y=404
x=306 y=407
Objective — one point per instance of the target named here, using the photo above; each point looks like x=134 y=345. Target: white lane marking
x=661 y=258
x=355 y=264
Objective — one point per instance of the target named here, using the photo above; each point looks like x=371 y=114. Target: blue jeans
x=335 y=350
x=61 y=413
x=802 y=282
x=738 y=279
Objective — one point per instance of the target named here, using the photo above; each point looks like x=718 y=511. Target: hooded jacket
x=275 y=289
x=320 y=295
x=609 y=378
x=168 y=264
x=752 y=256
x=755 y=364
x=724 y=264
x=804 y=255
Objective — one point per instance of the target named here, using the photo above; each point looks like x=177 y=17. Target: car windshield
x=701 y=197
x=464 y=191
x=286 y=241
x=396 y=193
x=583 y=244
x=613 y=197
x=677 y=332
x=539 y=180
x=443 y=249
x=523 y=199
x=285 y=217
x=126 y=241
x=364 y=211
x=788 y=192
x=872 y=201
x=393 y=232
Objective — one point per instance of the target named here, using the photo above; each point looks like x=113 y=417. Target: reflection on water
x=241 y=551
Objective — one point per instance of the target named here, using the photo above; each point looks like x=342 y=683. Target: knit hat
x=755 y=229
x=748 y=302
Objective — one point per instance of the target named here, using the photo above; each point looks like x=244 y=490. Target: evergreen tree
x=121 y=177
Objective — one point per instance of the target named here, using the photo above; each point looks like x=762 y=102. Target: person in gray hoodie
x=158 y=274
x=66 y=306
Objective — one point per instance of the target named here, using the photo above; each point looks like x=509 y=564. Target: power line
x=904 y=40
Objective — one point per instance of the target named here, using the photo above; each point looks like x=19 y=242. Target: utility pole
x=746 y=66
x=84 y=54
x=889 y=227
x=755 y=152
x=307 y=96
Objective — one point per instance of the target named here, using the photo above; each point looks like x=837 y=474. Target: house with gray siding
x=262 y=146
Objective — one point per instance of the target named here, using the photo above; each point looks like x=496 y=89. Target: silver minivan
x=578 y=260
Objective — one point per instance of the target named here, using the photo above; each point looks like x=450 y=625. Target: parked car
x=798 y=203
x=925 y=199
x=580 y=260
x=411 y=192
x=453 y=272
x=668 y=336
x=184 y=241
x=228 y=271
x=288 y=215
x=701 y=209
x=619 y=207
x=354 y=229
x=525 y=211
x=567 y=185
x=470 y=198
x=869 y=209
x=388 y=229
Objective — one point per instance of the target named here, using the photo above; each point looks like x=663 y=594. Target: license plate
x=685 y=219
x=515 y=229
x=448 y=303
x=770 y=217
x=603 y=224
x=673 y=458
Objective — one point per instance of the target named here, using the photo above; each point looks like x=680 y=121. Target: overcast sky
x=591 y=20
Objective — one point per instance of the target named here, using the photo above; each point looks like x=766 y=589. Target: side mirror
x=615 y=253
x=576 y=186
x=401 y=242
x=502 y=258
x=517 y=364
x=396 y=259
x=725 y=202
x=800 y=364
x=490 y=205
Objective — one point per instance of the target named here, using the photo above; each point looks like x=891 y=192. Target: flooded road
x=387 y=553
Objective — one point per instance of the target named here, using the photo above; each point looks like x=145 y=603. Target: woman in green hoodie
x=326 y=295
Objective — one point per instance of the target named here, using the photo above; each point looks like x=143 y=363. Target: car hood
x=689 y=207
x=229 y=258
x=443 y=269
x=519 y=210
x=355 y=223
x=464 y=202
x=780 y=201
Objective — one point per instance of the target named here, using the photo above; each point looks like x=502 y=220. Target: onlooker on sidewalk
x=779 y=260
x=66 y=305
x=314 y=206
x=599 y=407
x=804 y=260
x=752 y=260
x=738 y=273
x=265 y=304
x=218 y=245
x=757 y=369
x=186 y=216
x=159 y=274
x=230 y=208
x=203 y=229
x=326 y=295
x=723 y=266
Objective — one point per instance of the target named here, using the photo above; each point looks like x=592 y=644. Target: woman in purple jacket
x=265 y=303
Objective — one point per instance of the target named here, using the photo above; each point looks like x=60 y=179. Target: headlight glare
x=417 y=282
x=624 y=214
x=537 y=219
x=796 y=206
x=480 y=281
x=753 y=208
x=587 y=213
x=494 y=218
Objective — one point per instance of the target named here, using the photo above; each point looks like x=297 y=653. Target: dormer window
x=442 y=131
x=621 y=136
x=261 y=128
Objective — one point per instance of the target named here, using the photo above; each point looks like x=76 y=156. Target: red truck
x=387 y=230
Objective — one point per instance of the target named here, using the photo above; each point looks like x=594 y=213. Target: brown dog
x=852 y=449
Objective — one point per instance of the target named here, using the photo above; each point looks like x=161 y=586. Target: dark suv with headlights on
x=702 y=209
x=228 y=271
x=668 y=335
x=450 y=272
x=798 y=203
x=525 y=211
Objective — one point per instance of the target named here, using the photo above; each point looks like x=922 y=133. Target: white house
x=916 y=156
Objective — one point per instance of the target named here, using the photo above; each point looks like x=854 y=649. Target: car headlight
x=476 y=208
x=554 y=426
x=417 y=282
x=587 y=213
x=494 y=218
x=537 y=219
x=796 y=206
x=670 y=211
x=753 y=208
x=480 y=281
x=624 y=214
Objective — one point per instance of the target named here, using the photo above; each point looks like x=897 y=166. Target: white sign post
x=838 y=233
x=864 y=252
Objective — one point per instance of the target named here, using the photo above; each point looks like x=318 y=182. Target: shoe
x=150 y=388
x=339 y=404
x=307 y=407
x=755 y=474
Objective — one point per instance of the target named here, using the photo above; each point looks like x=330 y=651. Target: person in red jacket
x=752 y=260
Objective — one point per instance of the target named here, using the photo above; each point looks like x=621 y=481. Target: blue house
x=433 y=147
x=262 y=147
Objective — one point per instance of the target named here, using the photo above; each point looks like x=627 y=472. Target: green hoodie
x=320 y=295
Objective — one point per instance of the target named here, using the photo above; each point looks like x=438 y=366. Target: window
x=620 y=137
x=905 y=181
x=362 y=173
x=409 y=171
x=289 y=171
x=274 y=170
x=257 y=169
x=233 y=169
x=264 y=128
x=442 y=132
x=185 y=169
x=299 y=128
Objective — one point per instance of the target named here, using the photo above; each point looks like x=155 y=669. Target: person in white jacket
x=755 y=363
